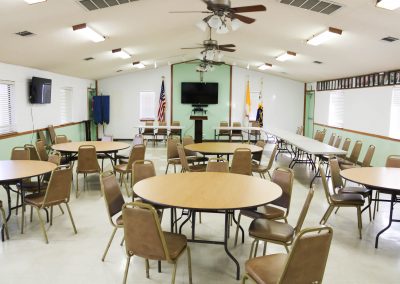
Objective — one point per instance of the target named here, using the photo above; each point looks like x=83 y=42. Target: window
x=394 y=131
x=66 y=105
x=147 y=106
x=336 y=109
x=7 y=122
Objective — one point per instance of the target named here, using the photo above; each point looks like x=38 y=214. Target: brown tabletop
x=19 y=169
x=101 y=146
x=222 y=148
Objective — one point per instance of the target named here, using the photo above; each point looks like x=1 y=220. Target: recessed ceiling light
x=286 y=56
x=34 y=1
x=265 y=66
x=121 y=53
x=89 y=32
x=325 y=36
x=388 y=4
x=138 y=65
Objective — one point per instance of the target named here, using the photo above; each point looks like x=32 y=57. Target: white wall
x=45 y=114
x=283 y=99
x=124 y=98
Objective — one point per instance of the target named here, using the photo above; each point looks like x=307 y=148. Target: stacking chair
x=341 y=200
x=137 y=140
x=277 y=209
x=262 y=169
x=41 y=149
x=337 y=142
x=365 y=163
x=4 y=221
x=304 y=264
x=222 y=132
x=184 y=162
x=52 y=134
x=191 y=155
x=172 y=154
x=219 y=165
x=163 y=132
x=87 y=164
x=33 y=153
x=257 y=156
x=355 y=153
x=61 y=139
x=255 y=133
x=142 y=169
x=20 y=153
x=277 y=232
x=137 y=153
x=57 y=193
x=176 y=132
x=141 y=220
x=114 y=202
x=332 y=139
x=236 y=133
x=40 y=135
x=241 y=162
x=149 y=131
x=102 y=156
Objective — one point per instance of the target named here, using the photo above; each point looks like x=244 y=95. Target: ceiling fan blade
x=246 y=9
x=176 y=12
x=226 y=49
x=227 y=45
x=244 y=19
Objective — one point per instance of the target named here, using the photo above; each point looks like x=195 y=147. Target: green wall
x=74 y=132
x=383 y=147
x=186 y=72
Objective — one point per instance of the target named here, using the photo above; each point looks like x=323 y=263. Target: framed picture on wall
x=392 y=77
x=381 y=75
x=386 y=78
x=362 y=81
x=376 y=79
x=398 y=77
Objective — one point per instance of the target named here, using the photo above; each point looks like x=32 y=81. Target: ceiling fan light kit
x=88 y=32
x=325 y=36
x=388 y=4
x=286 y=56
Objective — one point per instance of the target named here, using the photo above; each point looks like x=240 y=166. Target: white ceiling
x=146 y=30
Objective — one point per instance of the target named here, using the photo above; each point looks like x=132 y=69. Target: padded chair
x=277 y=232
x=241 y=162
x=4 y=221
x=341 y=200
x=337 y=142
x=257 y=156
x=219 y=165
x=365 y=163
x=41 y=150
x=114 y=202
x=87 y=164
x=262 y=169
x=176 y=132
x=20 y=153
x=57 y=192
x=142 y=169
x=61 y=139
x=305 y=263
x=222 y=132
x=33 y=154
x=163 y=132
x=137 y=153
x=236 y=133
x=255 y=133
x=137 y=140
x=149 y=131
x=184 y=162
x=52 y=134
x=332 y=139
x=191 y=155
x=40 y=135
x=141 y=220
x=102 y=156
x=353 y=159
x=172 y=154
x=277 y=209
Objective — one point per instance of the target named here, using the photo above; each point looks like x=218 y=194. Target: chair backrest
x=59 y=187
x=332 y=139
x=148 y=130
x=107 y=138
x=272 y=157
x=187 y=140
x=52 y=134
x=241 y=162
x=283 y=177
x=219 y=165
x=355 y=153
x=255 y=124
x=307 y=259
x=346 y=144
x=172 y=150
x=138 y=139
x=55 y=158
x=237 y=132
x=137 y=153
x=325 y=184
x=368 y=156
x=337 y=142
x=182 y=157
x=304 y=210
x=142 y=232
x=20 y=153
x=41 y=136
x=393 y=161
x=61 y=139
x=322 y=135
x=336 y=179
x=33 y=154
x=142 y=169
x=112 y=193
x=257 y=156
x=41 y=149
x=317 y=134
x=87 y=159
x=162 y=131
x=223 y=131
x=300 y=130
x=175 y=131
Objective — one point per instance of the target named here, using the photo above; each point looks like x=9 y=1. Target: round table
x=383 y=179
x=220 y=148
x=208 y=191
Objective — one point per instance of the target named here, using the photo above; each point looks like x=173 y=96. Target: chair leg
x=4 y=220
x=70 y=217
x=147 y=268
x=189 y=258
x=109 y=243
x=326 y=215
x=128 y=260
x=337 y=209
x=166 y=170
x=51 y=215
x=265 y=248
x=62 y=211
x=256 y=249
x=359 y=220
x=376 y=204
x=77 y=186
x=174 y=272
x=23 y=218
x=244 y=278
x=252 y=248
x=237 y=228
x=199 y=217
x=126 y=187
x=16 y=210
x=287 y=249
x=42 y=225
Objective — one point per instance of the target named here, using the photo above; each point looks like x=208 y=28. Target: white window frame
x=336 y=109
x=7 y=107
x=147 y=106
x=394 y=130
x=66 y=96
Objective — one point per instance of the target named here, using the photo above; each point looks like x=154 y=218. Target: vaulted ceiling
x=147 y=30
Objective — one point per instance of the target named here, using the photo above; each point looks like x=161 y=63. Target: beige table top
x=19 y=169
x=207 y=190
x=220 y=147
x=378 y=177
x=101 y=146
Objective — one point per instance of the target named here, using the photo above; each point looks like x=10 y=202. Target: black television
x=199 y=93
x=40 y=91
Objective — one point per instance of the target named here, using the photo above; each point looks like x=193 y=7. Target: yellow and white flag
x=247 y=110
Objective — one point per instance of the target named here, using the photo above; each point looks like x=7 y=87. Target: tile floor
x=70 y=258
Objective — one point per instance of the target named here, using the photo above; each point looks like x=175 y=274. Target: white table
x=156 y=127
x=246 y=129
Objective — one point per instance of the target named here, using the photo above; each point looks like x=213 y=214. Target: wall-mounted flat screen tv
x=40 y=91
x=199 y=93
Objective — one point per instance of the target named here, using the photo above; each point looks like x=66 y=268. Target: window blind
x=336 y=109
x=66 y=105
x=7 y=123
x=394 y=131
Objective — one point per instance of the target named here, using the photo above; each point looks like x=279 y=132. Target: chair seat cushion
x=356 y=189
x=348 y=199
x=259 y=168
x=31 y=186
x=174 y=161
x=271 y=230
x=121 y=168
x=198 y=168
x=264 y=212
x=266 y=269
x=119 y=221
x=176 y=243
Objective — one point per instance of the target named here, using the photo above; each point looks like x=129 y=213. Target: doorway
x=309 y=114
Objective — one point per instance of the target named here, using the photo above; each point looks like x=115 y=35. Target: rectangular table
x=156 y=127
x=247 y=129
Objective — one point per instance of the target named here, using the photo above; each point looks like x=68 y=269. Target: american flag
x=161 y=104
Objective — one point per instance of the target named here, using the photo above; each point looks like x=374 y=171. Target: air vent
x=88 y=58
x=390 y=39
x=317 y=62
x=92 y=5
x=324 y=7
x=25 y=33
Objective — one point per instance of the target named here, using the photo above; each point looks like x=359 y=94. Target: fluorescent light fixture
x=286 y=56
x=325 y=36
x=138 y=65
x=89 y=32
x=202 y=25
x=388 y=4
x=121 y=53
x=34 y=1
x=265 y=66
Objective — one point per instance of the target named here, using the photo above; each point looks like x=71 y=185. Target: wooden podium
x=198 y=127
